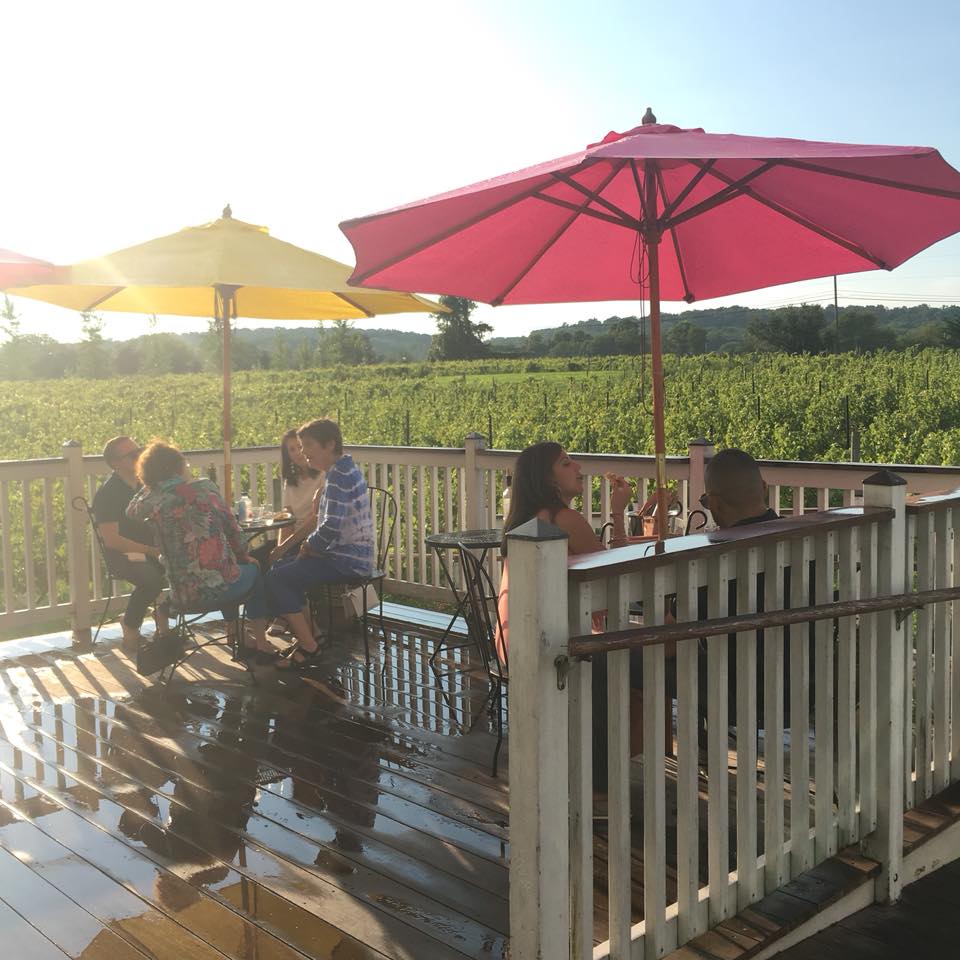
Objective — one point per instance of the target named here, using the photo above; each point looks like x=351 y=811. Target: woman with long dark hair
x=545 y=481
x=302 y=485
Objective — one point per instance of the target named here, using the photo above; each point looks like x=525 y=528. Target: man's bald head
x=734 y=487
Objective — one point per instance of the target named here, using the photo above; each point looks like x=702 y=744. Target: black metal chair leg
x=366 y=628
x=499 y=702
x=103 y=619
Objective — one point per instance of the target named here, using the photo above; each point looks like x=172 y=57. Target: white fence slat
x=586 y=497
x=941 y=656
x=910 y=625
x=826 y=836
x=656 y=941
x=923 y=669
x=434 y=525
x=867 y=770
x=449 y=522
x=847 y=691
x=50 y=549
x=618 y=785
x=775 y=870
x=394 y=472
x=718 y=799
x=801 y=848
x=580 y=734
x=749 y=881
x=9 y=597
x=408 y=560
x=421 y=525
x=690 y=920
x=26 y=496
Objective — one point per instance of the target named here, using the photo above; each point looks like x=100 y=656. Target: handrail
x=637 y=557
x=591 y=643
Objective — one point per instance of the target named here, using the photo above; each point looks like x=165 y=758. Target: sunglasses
x=704 y=500
x=131 y=454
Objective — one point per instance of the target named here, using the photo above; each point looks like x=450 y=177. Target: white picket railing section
x=866 y=731
x=51 y=572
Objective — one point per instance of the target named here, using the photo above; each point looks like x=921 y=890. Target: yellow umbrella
x=225 y=269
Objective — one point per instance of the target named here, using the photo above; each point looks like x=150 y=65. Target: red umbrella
x=16 y=269
x=664 y=213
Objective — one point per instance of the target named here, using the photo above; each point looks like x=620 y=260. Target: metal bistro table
x=482 y=540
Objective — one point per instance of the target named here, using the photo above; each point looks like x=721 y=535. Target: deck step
x=431 y=620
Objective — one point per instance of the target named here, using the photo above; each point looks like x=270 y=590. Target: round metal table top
x=476 y=539
x=261 y=526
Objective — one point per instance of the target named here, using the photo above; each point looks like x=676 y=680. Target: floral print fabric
x=199 y=537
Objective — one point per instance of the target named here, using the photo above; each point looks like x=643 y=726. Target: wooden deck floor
x=349 y=813
x=923 y=925
x=339 y=816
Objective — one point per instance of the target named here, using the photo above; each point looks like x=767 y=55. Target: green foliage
x=800 y=329
x=458 y=337
x=904 y=405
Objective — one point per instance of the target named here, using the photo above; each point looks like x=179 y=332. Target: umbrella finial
x=648 y=117
x=227 y=212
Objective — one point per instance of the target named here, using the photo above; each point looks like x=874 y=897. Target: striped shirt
x=344 y=525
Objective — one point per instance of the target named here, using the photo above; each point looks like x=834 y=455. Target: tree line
x=808 y=328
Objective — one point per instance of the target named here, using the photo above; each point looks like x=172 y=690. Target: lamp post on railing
x=539 y=776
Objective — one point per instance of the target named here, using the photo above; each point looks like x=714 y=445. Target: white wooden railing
x=50 y=572
x=879 y=737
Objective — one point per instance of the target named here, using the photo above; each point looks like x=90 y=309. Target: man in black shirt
x=131 y=555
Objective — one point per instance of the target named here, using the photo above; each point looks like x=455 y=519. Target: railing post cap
x=537 y=530
x=70 y=443
x=884 y=478
x=476 y=436
x=700 y=442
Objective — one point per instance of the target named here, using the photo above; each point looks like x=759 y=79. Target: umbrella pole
x=656 y=357
x=651 y=241
x=225 y=306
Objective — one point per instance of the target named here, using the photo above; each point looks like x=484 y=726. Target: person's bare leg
x=300 y=627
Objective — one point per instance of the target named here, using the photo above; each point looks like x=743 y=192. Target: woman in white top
x=301 y=492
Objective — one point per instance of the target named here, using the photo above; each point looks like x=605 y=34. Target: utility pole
x=836 y=313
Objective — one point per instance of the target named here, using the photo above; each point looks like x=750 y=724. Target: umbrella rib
x=879 y=181
x=96 y=303
x=641 y=193
x=733 y=189
x=854 y=248
x=582 y=209
x=461 y=225
x=685 y=192
x=356 y=306
x=627 y=220
x=687 y=295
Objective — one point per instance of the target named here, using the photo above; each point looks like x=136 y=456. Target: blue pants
x=250 y=582
x=290 y=578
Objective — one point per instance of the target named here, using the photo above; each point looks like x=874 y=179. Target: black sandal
x=306 y=657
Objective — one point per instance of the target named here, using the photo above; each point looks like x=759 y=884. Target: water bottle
x=244 y=509
x=505 y=499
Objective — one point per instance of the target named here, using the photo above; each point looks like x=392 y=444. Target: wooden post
x=886 y=489
x=78 y=552
x=539 y=776
x=474 y=504
x=700 y=451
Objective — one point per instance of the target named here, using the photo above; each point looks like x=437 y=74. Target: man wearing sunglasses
x=131 y=555
x=736 y=494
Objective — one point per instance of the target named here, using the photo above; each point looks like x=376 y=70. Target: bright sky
x=125 y=121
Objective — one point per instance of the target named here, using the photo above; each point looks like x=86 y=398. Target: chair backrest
x=484 y=620
x=383 y=511
x=81 y=503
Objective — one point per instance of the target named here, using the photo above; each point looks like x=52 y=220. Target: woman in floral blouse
x=204 y=550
